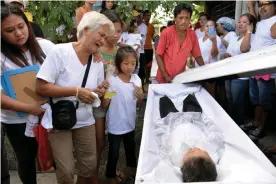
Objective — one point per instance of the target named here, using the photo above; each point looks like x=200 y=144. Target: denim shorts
x=261 y=92
x=99 y=112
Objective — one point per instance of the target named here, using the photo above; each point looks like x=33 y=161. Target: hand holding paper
x=104 y=84
x=85 y=96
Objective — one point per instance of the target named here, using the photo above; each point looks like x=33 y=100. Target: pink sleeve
x=161 y=47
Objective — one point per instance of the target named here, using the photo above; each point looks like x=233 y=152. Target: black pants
x=148 y=59
x=114 y=151
x=142 y=69
x=5 y=176
x=25 y=149
x=190 y=104
x=148 y=55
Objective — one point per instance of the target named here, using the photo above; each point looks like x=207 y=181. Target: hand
x=86 y=96
x=167 y=78
x=139 y=93
x=212 y=37
x=104 y=84
x=97 y=57
x=99 y=91
x=227 y=55
x=36 y=110
x=138 y=46
x=249 y=28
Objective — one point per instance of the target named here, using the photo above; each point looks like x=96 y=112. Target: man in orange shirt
x=176 y=44
x=148 y=44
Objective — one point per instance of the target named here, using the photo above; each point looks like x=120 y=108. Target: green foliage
x=51 y=14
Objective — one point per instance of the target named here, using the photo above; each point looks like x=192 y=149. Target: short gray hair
x=93 y=20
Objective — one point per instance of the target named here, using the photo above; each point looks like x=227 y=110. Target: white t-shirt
x=234 y=47
x=199 y=34
x=134 y=39
x=124 y=37
x=121 y=113
x=230 y=36
x=263 y=34
x=62 y=67
x=143 y=29
x=206 y=47
x=10 y=117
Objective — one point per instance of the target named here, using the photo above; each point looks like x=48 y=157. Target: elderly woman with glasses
x=61 y=77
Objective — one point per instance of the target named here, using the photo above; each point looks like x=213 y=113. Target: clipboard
x=19 y=84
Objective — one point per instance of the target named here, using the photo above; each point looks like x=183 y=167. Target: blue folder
x=7 y=84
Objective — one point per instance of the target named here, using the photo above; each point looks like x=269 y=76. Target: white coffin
x=242 y=161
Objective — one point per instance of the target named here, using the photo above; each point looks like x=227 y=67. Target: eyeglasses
x=265 y=4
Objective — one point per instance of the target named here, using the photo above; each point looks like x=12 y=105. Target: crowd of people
x=111 y=61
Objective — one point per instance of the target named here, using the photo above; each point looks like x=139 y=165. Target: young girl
x=209 y=46
x=121 y=112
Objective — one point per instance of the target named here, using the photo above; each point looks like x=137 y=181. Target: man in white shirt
x=188 y=141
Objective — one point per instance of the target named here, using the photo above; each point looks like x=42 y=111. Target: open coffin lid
x=242 y=160
x=249 y=64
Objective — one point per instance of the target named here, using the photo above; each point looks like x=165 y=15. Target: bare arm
x=105 y=102
x=273 y=31
x=246 y=43
x=160 y=63
x=11 y=104
x=214 y=50
x=79 y=16
x=44 y=88
x=251 y=4
x=161 y=67
x=199 y=61
x=224 y=42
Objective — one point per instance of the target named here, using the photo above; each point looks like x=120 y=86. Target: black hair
x=104 y=6
x=199 y=169
x=252 y=20
x=145 y=12
x=122 y=53
x=211 y=20
x=204 y=15
x=183 y=6
x=162 y=28
x=113 y=16
x=13 y=52
x=170 y=23
x=37 y=30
